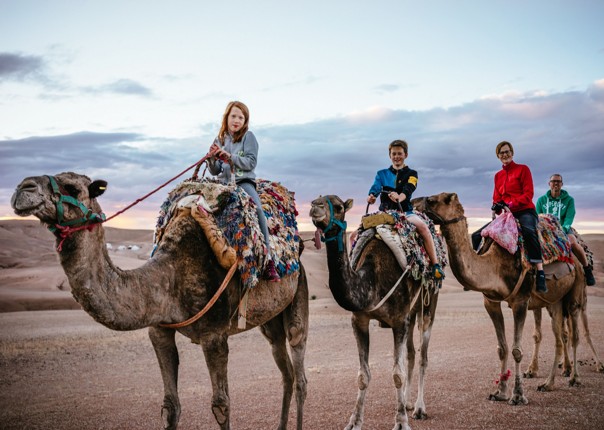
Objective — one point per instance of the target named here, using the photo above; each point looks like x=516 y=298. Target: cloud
x=452 y=149
x=121 y=86
x=19 y=67
x=386 y=88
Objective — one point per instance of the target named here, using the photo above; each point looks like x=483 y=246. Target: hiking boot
x=589 y=276
x=270 y=272
x=541 y=288
x=437 y=272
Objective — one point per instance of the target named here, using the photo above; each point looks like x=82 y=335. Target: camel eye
x=71 y=190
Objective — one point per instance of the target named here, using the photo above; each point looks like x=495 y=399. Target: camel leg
x=573 y=336
x=167 y=356
x=555 y=312
x=494 y=311
x=599 y=365
x=401 y=334
x=295 y=317
x=275 y=333
x=537 y=336
x=428 y=319
x=360 y=327
x=565 y=363
x=216 y=352
x=519 y=311
x=410 y=359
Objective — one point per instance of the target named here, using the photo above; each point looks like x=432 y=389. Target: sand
x=59 y=369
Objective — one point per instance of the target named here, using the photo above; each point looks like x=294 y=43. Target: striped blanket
x=412 y=245
x=235 y=214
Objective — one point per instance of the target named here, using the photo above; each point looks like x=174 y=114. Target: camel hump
x=236 y=217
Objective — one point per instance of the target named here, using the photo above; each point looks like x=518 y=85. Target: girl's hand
x=213 y=149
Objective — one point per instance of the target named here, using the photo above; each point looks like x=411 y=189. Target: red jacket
x=514 y=186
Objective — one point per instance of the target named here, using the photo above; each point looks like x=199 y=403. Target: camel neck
x=119 y=299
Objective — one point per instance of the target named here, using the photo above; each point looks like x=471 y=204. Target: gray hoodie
x=244 y=155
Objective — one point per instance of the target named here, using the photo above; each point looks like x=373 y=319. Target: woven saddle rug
x=555 y=244
x=235 y=215
x=410 y=246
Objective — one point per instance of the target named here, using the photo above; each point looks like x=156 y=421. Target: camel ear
x=97 y=188
x=348 y=205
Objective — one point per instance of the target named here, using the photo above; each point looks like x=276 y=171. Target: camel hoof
x=420 y=414
x=529 y=374
x=574 y=383
x=401 y=426
x=518 y=400
x=544 y=388
x=566 y=373
x=497 y=397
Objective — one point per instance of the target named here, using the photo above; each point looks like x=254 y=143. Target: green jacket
x=562 y=207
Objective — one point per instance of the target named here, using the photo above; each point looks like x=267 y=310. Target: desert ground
x=61 y=370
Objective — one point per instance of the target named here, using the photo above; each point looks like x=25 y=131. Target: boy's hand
x=371 y=199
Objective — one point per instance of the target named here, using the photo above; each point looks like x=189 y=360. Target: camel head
x=328 y=210
x=65 y=199
x=327 y=214
x=442 y=209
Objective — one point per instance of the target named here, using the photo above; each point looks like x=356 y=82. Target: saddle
x=234 y=214
x=555 y=244
x=404 y=242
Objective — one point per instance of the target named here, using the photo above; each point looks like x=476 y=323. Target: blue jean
x=250 y=190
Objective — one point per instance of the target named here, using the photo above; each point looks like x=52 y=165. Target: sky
x=133 y=92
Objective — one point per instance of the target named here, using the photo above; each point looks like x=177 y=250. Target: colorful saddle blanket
x=235 y=214
x=411 y=245
x=555 y=245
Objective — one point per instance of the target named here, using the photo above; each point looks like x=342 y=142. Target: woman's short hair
x=501 y=144
x=398 y=144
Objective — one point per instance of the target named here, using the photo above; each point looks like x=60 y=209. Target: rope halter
x=334 y=225
x=64 y=229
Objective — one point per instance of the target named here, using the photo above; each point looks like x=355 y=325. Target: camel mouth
x=23 y=212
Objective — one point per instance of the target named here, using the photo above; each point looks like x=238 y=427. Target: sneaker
x=541 y=287
x=270 y=272
x=437 y=272
x=589 y=276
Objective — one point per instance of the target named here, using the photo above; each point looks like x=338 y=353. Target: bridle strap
x=333 y=226
x=87 y=214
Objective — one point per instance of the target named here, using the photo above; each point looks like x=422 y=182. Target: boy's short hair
x=398 y=144
x=503 y=143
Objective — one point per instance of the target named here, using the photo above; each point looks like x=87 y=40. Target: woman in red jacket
x=514 y=189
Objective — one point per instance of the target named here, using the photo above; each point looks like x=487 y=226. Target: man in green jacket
x=559 y=203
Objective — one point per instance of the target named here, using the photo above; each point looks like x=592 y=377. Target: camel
x=360 y=291
x=565 y=363
x=500 y=277
x=180 y=279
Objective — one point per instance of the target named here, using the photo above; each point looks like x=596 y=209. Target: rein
x=333 y=222
x=65 y=229
x=209 y=305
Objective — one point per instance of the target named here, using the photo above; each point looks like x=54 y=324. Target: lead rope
x=65 y=232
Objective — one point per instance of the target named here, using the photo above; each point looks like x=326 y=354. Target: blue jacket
x=402 y=181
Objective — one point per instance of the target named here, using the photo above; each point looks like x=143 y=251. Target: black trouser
x=528 y=219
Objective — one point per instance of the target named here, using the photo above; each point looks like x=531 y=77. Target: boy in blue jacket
x=395 y=185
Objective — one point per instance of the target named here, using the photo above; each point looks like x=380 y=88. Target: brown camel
x=360 y=291
x=500 y=277
x=565 y=364
x=178 y=281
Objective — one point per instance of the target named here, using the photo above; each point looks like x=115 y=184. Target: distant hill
x=27 y=243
